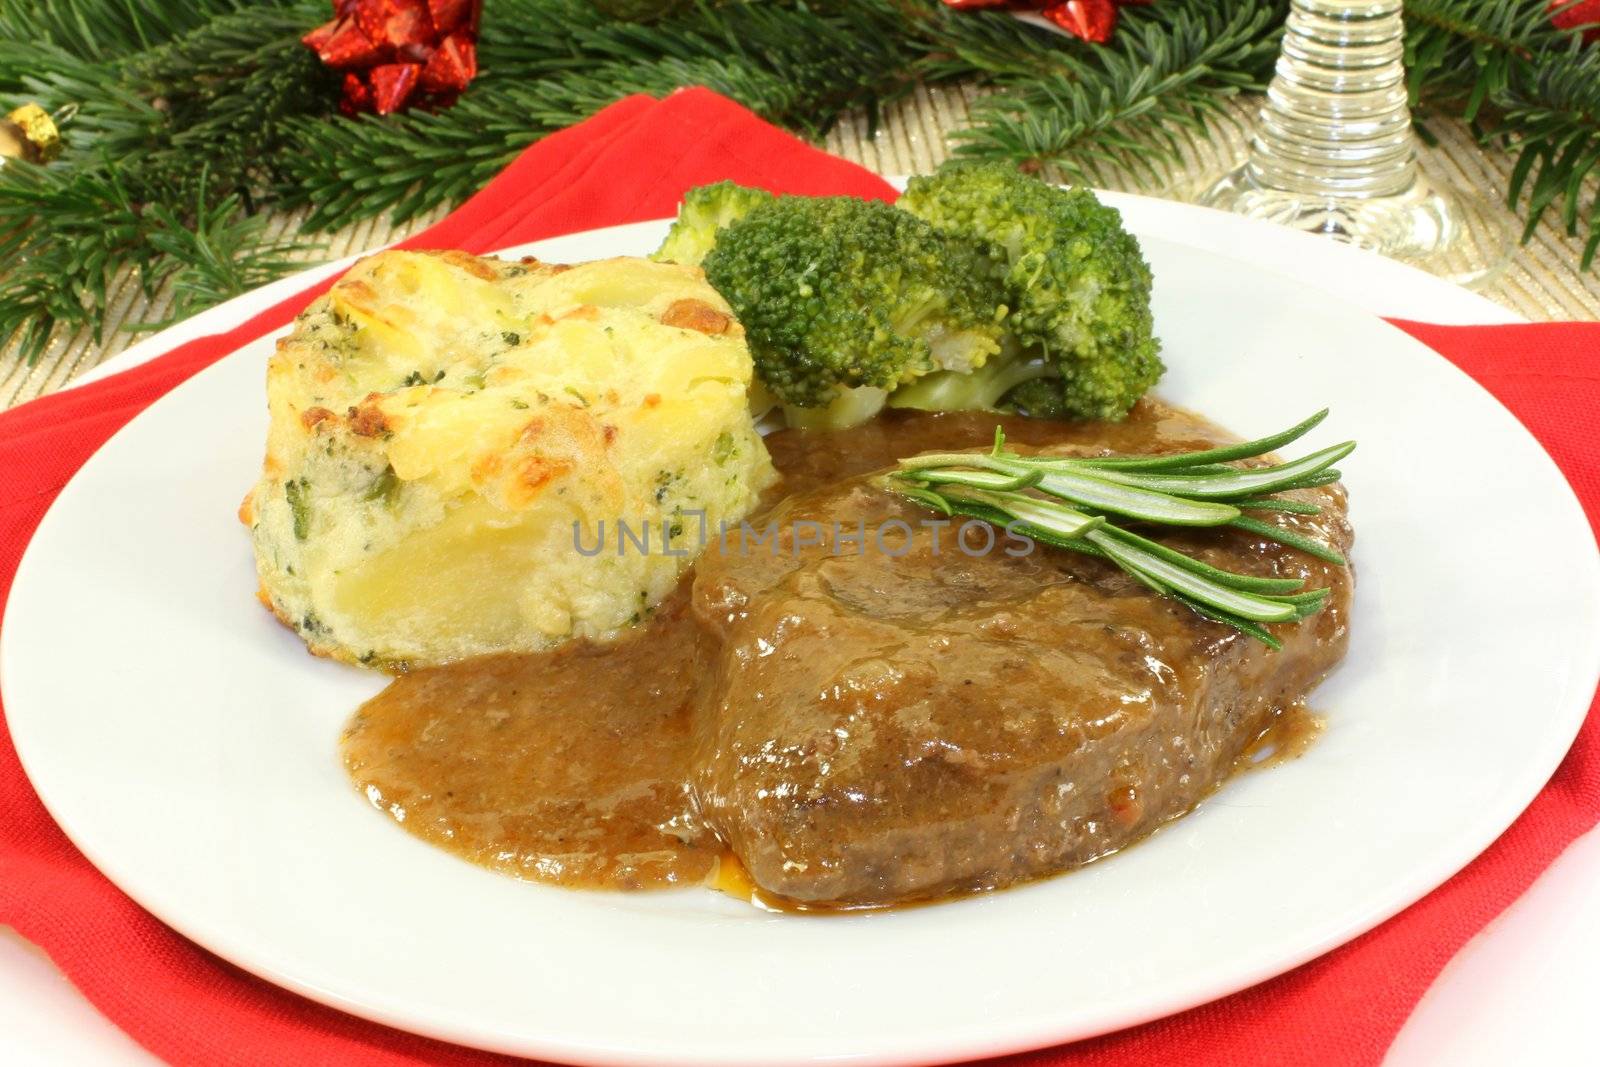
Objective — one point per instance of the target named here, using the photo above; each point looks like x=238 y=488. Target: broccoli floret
x=837 y=292
x=1075 y=280
x=705 y=210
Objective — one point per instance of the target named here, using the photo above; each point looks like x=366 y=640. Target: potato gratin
x=440 y=421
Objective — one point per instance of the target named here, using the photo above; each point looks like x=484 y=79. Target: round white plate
x=186 y=743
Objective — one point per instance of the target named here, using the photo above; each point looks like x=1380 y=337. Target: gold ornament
x=29 y=133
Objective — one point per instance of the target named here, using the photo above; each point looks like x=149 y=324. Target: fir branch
x=1462 y=52
x=1169 y=66
x=217 y=252
x=164 y=139
x=58 y=270
x=228 y=80
x=165 y=88
x=1552 y=120
x=105 y=30
x=801 y=65
x=1527 y=86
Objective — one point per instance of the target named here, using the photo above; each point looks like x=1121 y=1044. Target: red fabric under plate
x=632 y=162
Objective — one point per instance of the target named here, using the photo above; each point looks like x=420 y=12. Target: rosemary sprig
x=1065 y=501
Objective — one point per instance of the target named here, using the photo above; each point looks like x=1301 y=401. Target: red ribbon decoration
x=1586 y=13
x=395 y=53
x=1090 y=20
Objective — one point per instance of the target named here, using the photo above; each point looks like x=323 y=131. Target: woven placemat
x=1542 y=282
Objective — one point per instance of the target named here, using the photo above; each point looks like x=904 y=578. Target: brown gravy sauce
x=569 y=767
x=572 y=766
x=1290 y=735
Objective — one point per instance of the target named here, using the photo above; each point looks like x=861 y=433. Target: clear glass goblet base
x=1445 y=230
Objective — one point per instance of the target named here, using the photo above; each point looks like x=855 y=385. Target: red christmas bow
x=1092 y=20
x=1571 y=17
x=397 y=52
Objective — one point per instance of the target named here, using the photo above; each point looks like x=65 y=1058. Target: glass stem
x=1337 y=120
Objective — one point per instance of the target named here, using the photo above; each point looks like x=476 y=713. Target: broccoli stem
x=849 y=407
x=982 y=389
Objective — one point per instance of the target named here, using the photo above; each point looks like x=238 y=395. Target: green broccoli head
x=705 y=210
x=837 y=293
x=1077 y=284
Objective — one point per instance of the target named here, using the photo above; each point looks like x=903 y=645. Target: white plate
x=187 y=744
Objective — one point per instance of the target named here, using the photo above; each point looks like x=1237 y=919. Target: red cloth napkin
x=631 y=162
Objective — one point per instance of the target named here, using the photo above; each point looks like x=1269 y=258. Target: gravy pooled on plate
x=568 y=766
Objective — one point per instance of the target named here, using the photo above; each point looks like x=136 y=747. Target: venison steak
x=919 y=719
